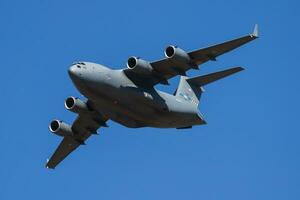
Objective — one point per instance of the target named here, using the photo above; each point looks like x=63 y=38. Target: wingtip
x=255 y=31
x=241 y=68
x=237 y=69
x=47 y=165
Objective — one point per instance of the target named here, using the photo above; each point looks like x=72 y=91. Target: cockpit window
x=78 y=63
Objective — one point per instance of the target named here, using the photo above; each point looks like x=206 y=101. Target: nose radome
x=73 y=71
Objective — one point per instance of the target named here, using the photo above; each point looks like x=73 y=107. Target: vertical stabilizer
x=188 y=92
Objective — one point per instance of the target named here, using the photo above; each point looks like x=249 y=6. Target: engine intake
x=60 y=128
x=173 y=52
x=76 y=105
x=139 y=66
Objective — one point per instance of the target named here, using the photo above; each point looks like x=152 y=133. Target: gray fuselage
x=117 y=98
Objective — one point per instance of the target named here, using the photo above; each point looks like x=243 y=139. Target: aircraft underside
x=127 y=96
x=142 y=115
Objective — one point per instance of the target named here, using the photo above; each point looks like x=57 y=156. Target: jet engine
x=60 y=128
x=76 y=105
x=139 y=66
x=173 y=52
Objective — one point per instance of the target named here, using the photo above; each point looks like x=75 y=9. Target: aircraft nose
x=74 y=71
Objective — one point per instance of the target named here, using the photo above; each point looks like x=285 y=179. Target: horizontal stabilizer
x=209 y=78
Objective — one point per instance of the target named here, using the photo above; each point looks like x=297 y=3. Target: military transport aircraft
x=128 y=96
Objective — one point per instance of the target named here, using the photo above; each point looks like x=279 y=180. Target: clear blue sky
x=248 y=150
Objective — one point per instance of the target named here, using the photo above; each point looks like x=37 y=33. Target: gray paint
x=120 y=100
x=128 y=96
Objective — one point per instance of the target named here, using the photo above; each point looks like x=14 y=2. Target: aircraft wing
x=168 y=68
x=83 y=127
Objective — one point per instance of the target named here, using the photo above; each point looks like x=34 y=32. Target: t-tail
x=190 y=89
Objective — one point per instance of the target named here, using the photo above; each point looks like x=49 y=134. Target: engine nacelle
x=173 y=52
x=76 y=105
x=139 y=66
x=60 y=128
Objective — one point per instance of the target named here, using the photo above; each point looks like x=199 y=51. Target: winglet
x=255 y=31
